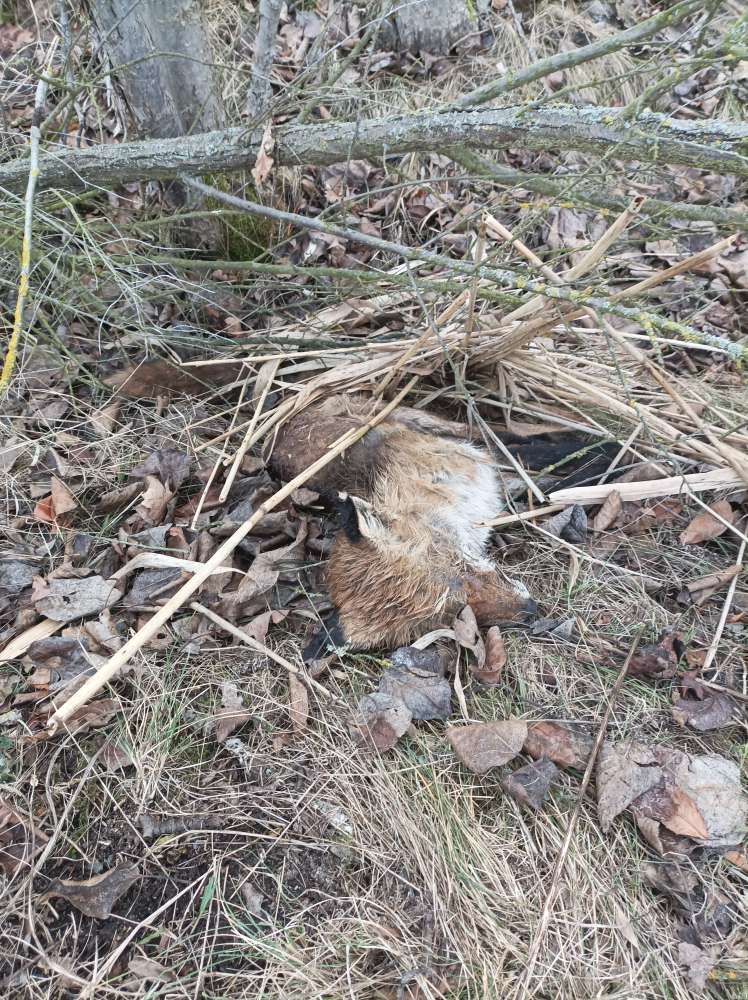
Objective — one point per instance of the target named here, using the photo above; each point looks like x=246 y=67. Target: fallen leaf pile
x=679 y=801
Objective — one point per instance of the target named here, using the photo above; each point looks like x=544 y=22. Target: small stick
x=558 y=867
x=109 y=669
x=713 y=645
x=35 y=135
x=260 y=647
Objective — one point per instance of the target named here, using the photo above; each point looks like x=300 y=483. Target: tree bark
x=161 y=60
x=714 y=145
x=426 y=26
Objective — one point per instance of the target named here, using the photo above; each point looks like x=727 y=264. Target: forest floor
x=212 y=825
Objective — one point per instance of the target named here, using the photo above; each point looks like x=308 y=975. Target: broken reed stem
x=109 y=669
x=545 y=916
x=260 y=647
x=714 y=644
x=478 y=255
x=731 y=455
x=248 y=435
x=219 y=461
x=588 y=262
x=35 y=134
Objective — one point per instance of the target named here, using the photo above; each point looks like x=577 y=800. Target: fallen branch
x=714 y=145
x=513 y=339
x=109 y=669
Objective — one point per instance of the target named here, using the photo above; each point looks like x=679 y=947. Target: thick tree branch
x=714 y=145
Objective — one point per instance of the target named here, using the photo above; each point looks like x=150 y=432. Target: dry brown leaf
x=714 y=710
x=154 y=502
x=426 y=693
x=147 y=968
x=704 y=526
x=699 y=591
x=380 y=721
x=567 y=744
x=495 y=661
x=483 y=745
x=62 y=499
x=608 y=513
x=298 y=704
x=170 y=465
x=624 y=772
x=96 y=896
x=696 y=798
x=570 y=525
x=685 y=818
x=468 y=635
x=529 y=785
x=234 y=714
x=264 y=162
x=64 y=600
x=104 y=420
x=20 y=840
x=658 y=659
x=94 y=715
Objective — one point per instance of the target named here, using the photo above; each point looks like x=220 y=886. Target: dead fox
x=412 y=498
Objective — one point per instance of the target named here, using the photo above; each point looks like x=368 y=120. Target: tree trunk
x=160 y=58
x=426 y=26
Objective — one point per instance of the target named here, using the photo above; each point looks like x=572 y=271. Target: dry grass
x=316 y=870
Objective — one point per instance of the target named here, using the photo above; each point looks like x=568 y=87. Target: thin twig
x=558 y=867
x=109 y=669
x=35 y=135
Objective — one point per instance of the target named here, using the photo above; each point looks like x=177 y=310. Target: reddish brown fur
x=407 y=574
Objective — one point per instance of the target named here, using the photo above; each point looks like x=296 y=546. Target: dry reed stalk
x=266 y=377
x=610 y=401
x=109 y=669
x=511 y=337
x=714 y=644
x=588 y=262
x=478 y=255
x=731 y=455
x=719 y=479
x=555 y=887
x=678 y=268
x=219 y=461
